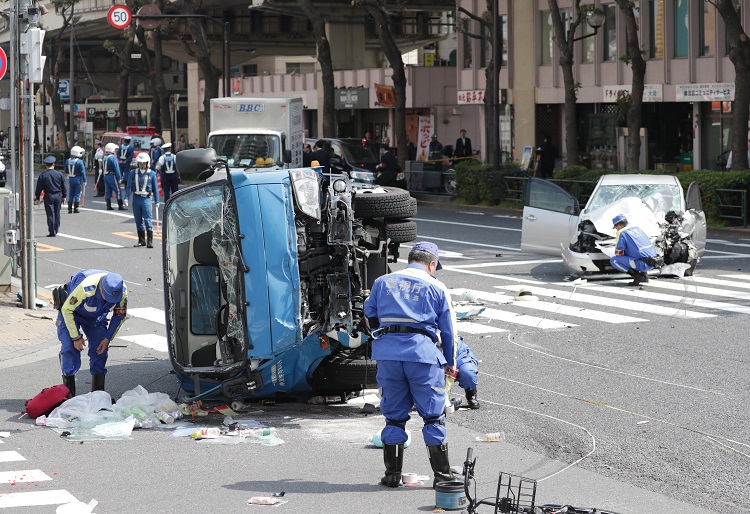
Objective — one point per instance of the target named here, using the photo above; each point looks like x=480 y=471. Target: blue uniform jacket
x=85 y=306
x=413 y=298
x=125 y=154
x=634 y=243
x=75 y=168
x=112 y=167
x=52 y=183
x=145 y=182
x=156 y=152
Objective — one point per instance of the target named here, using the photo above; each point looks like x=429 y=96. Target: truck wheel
x=412 y=208
x=382 y=202
x=351 y=372
x=401 y=231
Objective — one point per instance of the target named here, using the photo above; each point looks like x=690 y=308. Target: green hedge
x=481 y=183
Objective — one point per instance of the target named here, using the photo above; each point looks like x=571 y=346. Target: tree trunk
x=124 y=82
x=565 y=45
x=638 y=65
x=739 y=54
x=51 y=81
x=160 y=113
x=326 y=66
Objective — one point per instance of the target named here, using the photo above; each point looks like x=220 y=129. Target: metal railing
x=732 y=210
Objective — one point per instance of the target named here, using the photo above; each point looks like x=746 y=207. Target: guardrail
x=732 y=210
x=432 y=181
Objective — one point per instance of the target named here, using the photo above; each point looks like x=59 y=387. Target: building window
x=300 y=67
x=610 y=33
x=588 y=45
x=504 y=42
x=680 y=28
x=467 y=45
x=250 y=70
x=486 y=48
x=547 y=43
x=706 y=29
x=656 y=34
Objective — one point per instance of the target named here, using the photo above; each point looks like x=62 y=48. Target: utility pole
x=71 y=124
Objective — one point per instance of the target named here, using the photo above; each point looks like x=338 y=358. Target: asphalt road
x=643 y=390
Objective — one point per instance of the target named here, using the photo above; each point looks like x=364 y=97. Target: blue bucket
x=450 y=495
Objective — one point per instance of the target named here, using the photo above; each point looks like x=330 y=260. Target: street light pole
x=496 y=86
x=71 y=123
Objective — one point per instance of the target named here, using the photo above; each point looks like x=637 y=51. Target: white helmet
x=166 y=146
x=77 y=151
x=110 y=148
x=143 y=157
x=156 y=141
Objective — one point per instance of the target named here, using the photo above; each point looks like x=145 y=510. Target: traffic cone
x=158 y=186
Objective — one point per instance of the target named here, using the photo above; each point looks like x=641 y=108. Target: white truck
x=257 y=134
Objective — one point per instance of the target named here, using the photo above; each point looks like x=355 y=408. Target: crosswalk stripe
x=24 y=476
x=153 y=341
x=469 y=327
x=740 y=277
x=149 y=313
x=523 y=319
x=718 y=282
x=611 y=302
x=687 y=287
x=617 y=288
x=54 y=497
x=10 y=456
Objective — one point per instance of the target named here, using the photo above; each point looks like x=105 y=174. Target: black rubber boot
x=69 y=381
x=97 y=383
x=393 y=457
x=141 y=238
x=150 y=238
x=638 y=278
x=109 y=205
x=440 y=465
x=471 y=399
x=75 y=208
x=70 y=208
x=120 y=206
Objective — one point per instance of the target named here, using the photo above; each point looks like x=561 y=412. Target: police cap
x=431 y=248
x=112 y=287
x=50 y=159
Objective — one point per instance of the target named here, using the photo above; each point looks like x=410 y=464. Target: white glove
x=126 y=203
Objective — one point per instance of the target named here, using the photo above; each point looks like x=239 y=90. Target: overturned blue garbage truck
x=266 y=275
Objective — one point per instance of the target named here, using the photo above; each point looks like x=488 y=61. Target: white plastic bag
x=95 y=405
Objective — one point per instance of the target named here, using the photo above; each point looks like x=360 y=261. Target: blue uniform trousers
x=169 y=183
x=412 y=383
x=74 y=190
x=52 y=208
x=111 y=187
x=124 y=172
x=625 y=263
x=70 y=358
x=142 y=212
x=467 y=374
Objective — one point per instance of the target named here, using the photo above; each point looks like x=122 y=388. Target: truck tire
x=383 y=202
x=351 y=372
x=412 y=209
x=401 y=231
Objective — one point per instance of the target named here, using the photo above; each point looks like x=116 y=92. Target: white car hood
x=646 y=214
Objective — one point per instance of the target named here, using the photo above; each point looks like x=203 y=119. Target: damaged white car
x=554 y=223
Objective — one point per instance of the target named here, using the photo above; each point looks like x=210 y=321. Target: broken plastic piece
x=265 y=500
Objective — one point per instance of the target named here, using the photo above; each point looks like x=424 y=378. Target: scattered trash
x=492 y=437
x=266 y=500
x=369 y=408
x=194 y=409
x=467 y=311
x=279 y=494
x=378 y=442
x=239 y=406
x=77 y=508
x=524 y=295
x=642 y=422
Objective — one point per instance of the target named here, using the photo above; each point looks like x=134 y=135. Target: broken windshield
x=658 y=197
x=247 y=150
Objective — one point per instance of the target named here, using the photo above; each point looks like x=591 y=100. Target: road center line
x=473 y=225
x=103 y=243
x=470 y=243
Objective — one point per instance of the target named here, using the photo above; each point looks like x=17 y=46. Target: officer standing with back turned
x=52 y=183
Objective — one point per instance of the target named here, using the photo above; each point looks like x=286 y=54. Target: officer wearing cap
x=167 y=169
x=413 y=323
x=52 y=183
x=435 y=149
x=99 y=166
x=92 y=294
x=633 y=252
x=124 y=158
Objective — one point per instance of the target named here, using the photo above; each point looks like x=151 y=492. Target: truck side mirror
x=287 y=156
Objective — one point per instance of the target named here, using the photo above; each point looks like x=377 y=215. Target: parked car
x=265 y=278
x=554 y=223
x=357 y=158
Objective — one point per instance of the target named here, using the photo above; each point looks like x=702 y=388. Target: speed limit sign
x=119 y=16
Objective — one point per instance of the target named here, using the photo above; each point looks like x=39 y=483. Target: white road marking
x=612 y=302
x=54 y=497
x=686 y=286
x=10 y=456
x=718 y=282
x=23 y=476
x=153 y=341
x=740 y=277
x=470 y=327
x=507 y=263
x=492 y=275
x=86 y=240
x=149 y=313
x=522 y=319
x=110 y=213
x=422 y=220
x=727 y=243
x=469 y=243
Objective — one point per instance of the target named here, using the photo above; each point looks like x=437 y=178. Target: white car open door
x=693 y=202
x=549 y=212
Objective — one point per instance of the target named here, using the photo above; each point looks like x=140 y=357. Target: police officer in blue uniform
x=468 y=372
x=52 y=183
x=167 y=169
x=76 y=171
x=112 y=177
x=92 y=294
x=142 y=185
x=125 y=157
x=157 y=150
x=634 y=252
x=414 y=330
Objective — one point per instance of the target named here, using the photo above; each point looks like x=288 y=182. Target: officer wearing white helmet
x=156 y=151
x=112 y=177
x=167 y=169
x=142 y=185
x=99 y=169
x=125 y=157
x=76 y=171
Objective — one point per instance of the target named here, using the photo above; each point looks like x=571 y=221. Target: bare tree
x=152 y=64
x=326 y=66
x=739 y=54
x=634 y=57
x=492 y=81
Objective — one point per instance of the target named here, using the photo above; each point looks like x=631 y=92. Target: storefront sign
x=352 y=98
x=423 y=137
x=386 y=95
x=476 y=96
x=651 y=92
x=719 y=92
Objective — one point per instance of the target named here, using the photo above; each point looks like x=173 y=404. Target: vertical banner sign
x=423 y=137
x=3 y=63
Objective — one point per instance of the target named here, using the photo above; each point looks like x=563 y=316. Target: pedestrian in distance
x=51 y=183
x=167 y=169
x=99 y=167
x=411 y=150
x=91 y=295
x=388 y=169
x=322 y=156
x=414 y=330
x=76 y=171
x=112 y=177
x=634 y=252
x=125 y=158
x=547 y=158
x=435 y=149
x=181 y=144
x=306 y=153
x=462 y=147
x=142 y=185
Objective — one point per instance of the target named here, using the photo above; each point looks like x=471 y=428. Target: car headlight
x=306 y=191
x=362 y=176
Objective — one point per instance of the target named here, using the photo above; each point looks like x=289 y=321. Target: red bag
x=46 y=401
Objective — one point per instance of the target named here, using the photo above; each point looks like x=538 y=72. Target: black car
x=354 y=157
